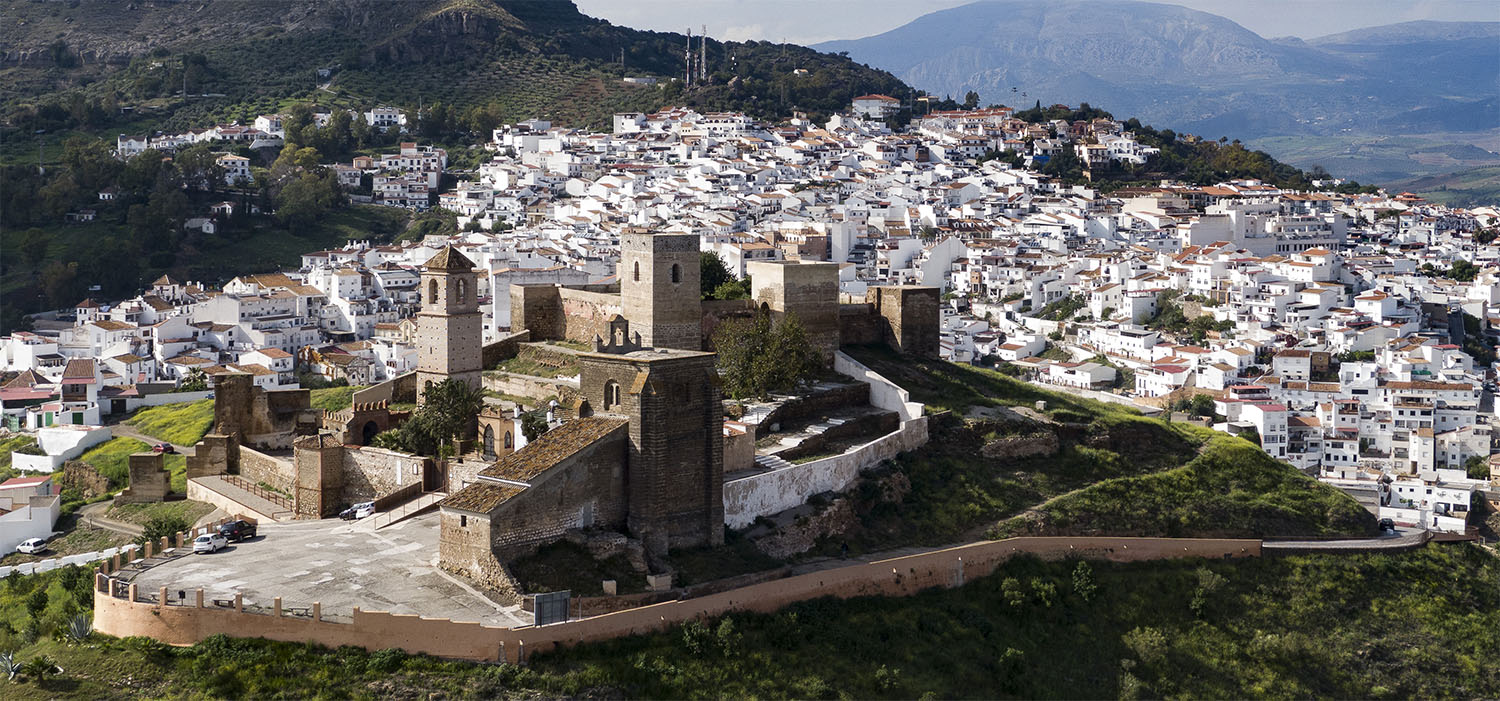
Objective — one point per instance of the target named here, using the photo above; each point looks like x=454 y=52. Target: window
x=636 y=273
x=463 y=521
x=507 y=440
x=676 y=273
x=611 y=395
x=463 y=290
x=432 y=292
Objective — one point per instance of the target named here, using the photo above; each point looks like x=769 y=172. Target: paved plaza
x=340 y=565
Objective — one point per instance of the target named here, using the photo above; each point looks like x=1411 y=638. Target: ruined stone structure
x=450 y=326
x=361 y=422
x=149 y=480
x=261 y=418
x=668 y=313
x=330 y=475
x=910 y=316
x=660 y=288
x=645 y=456
x=809 y=291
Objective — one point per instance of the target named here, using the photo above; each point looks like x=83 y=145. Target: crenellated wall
x=371 y=630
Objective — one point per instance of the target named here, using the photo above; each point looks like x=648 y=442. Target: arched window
x=507 y=440
x=463 y=290
x=489 y=441
x=676 y=273
x=636 y=274
x=432 y=289
x=611 y=395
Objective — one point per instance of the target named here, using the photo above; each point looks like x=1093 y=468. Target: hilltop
x=75 y=64
x=1200 y=73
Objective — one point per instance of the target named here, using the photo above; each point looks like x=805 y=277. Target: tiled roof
x=481 y=497
x=552 y=447
x=449 y=258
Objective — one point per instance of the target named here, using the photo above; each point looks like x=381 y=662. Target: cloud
x=744 y=32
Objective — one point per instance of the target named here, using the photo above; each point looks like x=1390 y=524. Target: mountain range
x=1197 y=72
x=526 y=58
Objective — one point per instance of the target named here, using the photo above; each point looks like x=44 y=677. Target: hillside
x=1405 y=625
x=1197 y=72
x=68 y=65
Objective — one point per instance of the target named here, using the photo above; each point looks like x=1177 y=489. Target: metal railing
x=276 y=498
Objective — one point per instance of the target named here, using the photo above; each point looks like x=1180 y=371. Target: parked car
x=33 y=546
x=1387 y=526
x=358 y=511
x=210 y=543
x=165 y=448
x=237 y=530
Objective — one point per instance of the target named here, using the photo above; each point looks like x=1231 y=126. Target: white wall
x=883 y=393
x=34 y=520
x=778 y=490
x=61 y=443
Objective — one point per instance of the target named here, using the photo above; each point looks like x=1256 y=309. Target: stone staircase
x=771 y=462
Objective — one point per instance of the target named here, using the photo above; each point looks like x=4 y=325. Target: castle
x=643 y=454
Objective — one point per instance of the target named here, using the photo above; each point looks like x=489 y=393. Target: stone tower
x=674 y=471
x=450 y=326
x=659 y=289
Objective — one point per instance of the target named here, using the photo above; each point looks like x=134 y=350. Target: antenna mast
x=688 y=57
x=703 y=55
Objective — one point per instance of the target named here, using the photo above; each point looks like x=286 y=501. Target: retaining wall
x=256 y=466
x=189 y=624
x=778 y=490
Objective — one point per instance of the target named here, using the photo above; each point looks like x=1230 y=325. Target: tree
x=447 y=413
x=163 y=526
x=196 y=381
x=533 y=424
x=971 y=100
x=1477 y=467
x=757 y=357
x=712 y=273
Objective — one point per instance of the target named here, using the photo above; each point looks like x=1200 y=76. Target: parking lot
x=340 y=565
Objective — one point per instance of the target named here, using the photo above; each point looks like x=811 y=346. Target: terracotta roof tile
x=552 y=447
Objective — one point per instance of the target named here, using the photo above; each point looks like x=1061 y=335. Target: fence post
x=317 y=611
x=114 y=563
x=199 y=598
x=148 y=550
x=165 y=544
x=276 y=605
x=239 y=602
x=130 y=593
x=161 y=596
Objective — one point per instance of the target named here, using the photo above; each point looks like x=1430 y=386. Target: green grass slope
x=1363 y=626
x=180 y=424
x=1232 y=489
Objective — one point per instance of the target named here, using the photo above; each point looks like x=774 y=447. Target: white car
x=33 y=546
x=209 y=543
x=358 y=511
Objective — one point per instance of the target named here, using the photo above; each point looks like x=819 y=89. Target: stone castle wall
x=259 y=467
x=905 y=576
x=583 y=490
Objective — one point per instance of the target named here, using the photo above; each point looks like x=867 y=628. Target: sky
x=812 y=21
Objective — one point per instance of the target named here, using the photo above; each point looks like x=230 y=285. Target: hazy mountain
x=1196 y=71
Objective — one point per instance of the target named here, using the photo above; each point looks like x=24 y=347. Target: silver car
x=209 y=543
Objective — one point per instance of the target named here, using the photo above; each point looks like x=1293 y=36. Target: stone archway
x=368 y=433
